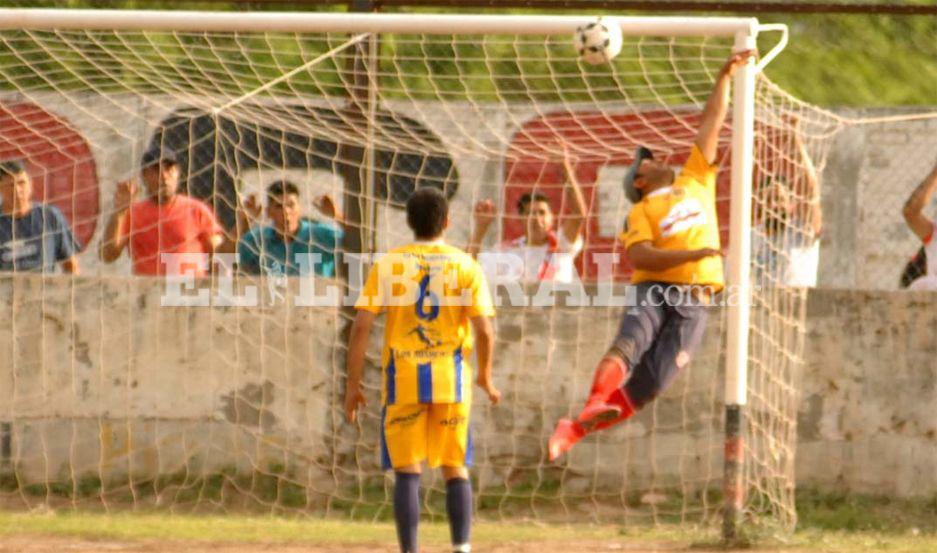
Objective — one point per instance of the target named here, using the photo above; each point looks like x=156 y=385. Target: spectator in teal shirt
x=282 y=247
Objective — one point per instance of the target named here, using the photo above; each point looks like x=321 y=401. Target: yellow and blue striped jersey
x=429 y=291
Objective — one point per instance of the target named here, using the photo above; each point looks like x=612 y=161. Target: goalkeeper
x=672 y=240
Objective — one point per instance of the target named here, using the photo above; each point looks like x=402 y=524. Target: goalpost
x=367 y=107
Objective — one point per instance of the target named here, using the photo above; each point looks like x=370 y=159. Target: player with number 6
x=433 y=296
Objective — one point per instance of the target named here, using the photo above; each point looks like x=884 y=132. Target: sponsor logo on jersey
x=683 y=216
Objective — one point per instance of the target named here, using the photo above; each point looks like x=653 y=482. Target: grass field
x=844 y=525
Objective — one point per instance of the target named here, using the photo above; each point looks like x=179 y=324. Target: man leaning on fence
x=163 y=224
x=33 y=236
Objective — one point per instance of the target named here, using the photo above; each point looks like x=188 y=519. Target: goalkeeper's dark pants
x=658 y=335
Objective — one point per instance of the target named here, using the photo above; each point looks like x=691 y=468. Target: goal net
x=224 y=394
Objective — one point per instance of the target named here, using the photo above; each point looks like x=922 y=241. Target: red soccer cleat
x=565 y=436
x=596 y=413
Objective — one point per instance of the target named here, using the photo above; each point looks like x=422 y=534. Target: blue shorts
x=657 y=337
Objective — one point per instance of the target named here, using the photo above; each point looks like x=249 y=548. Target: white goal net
x=111 y=396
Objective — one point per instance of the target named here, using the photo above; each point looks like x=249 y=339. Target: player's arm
x=66 y=248
x=484 y=350
x=717 y=106
x=647 y=257
x=357 y=347
x=810 y=199
x=573 y=221
x=484 y=215
x=115 y=240
x=913 y=210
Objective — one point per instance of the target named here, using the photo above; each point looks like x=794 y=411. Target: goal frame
x=744 y=31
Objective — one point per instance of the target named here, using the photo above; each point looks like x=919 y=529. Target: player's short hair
x=529 y=198
x=11 y=168
x=282 y=188
x=427 y=211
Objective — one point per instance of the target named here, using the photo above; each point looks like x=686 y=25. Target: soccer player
x=924 y=228
x=547 y=255
x=433 y=295
x=786 y=248
x=33 y=236
x=672 y=239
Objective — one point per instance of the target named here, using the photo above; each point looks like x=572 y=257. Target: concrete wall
x=96 y=377
x=868 y=417
x=871 y=171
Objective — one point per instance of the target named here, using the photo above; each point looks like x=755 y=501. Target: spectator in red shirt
x=165 y=222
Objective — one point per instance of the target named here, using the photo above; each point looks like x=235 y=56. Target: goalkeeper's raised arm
x=714 y=113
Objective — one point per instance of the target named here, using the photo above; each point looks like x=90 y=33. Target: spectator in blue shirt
x=278 y=249
x=33 y=236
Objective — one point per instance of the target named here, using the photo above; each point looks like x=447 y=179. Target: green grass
x=270 y=530
x=831 y=522
x=127 y=526
x=841 y=512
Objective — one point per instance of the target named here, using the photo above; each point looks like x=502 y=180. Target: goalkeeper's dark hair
x=282 y=188
x=529 y=198
x=427 y=212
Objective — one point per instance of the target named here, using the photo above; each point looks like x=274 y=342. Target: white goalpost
x=116 y=399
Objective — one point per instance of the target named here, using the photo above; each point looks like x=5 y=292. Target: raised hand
x=735 y=61
x=325 y=204
x=250 y=208
x=124 y=195
x=484 y=213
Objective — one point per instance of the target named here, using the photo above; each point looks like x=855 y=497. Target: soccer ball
x=599 y=41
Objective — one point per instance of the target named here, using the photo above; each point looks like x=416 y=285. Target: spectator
x=165 y=222
x=33 y=236
x=924 y=229
x=277 y=249
x=547 y=255
x=788 y=222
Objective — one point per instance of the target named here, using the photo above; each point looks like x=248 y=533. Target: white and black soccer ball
x=599 y=41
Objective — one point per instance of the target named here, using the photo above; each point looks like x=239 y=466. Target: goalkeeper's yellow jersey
x=680 y=217
x=429 y=291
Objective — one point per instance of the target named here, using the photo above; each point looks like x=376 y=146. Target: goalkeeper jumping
x=672 y=239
